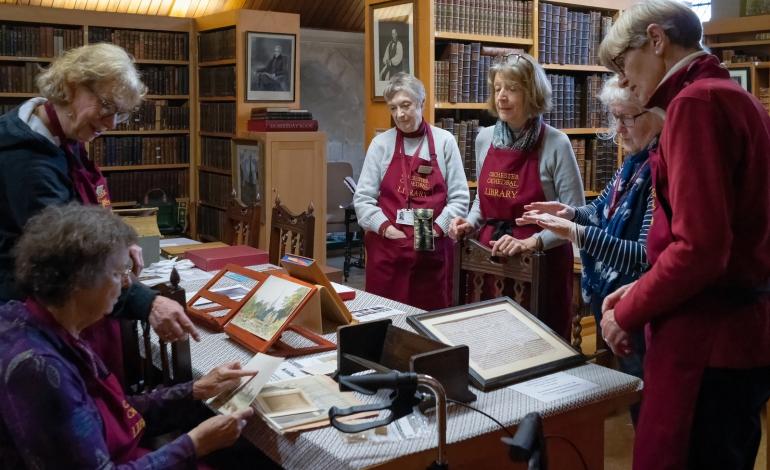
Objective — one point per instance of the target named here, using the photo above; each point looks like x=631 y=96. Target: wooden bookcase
x=433 y=37
x=743 y=44
x=153 y=149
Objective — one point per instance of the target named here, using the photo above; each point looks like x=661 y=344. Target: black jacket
x=34 y=175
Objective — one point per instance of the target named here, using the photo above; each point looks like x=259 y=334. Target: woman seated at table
x=611 y=231
x=59 y=406
x=415 y=165
x=521 y=160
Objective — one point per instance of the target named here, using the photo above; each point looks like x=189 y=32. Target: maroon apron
x=90 y=188
x=123 y=425
x=508 y=180
x=394 y=269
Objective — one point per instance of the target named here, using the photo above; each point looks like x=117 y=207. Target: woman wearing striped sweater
x=611 y=231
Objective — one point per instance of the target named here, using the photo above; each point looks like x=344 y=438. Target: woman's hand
x=562 y=228
x=135 y=253
x=459 y=228
x=220 y=379
x=218 y=432
x=616 y=338
x=509 y=246
x=551 y=207
x=393 y=233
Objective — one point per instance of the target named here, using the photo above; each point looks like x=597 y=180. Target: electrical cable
x=485 y=414
x=572 y=444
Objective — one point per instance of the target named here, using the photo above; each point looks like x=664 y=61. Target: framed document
x=507 y=344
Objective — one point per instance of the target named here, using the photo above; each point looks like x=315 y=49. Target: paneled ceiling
x=340 y=15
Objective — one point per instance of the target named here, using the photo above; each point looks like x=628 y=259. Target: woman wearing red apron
x=705 y=302
x=60 y=407
x=43 y=162
x=520 y=160
x=413 y=166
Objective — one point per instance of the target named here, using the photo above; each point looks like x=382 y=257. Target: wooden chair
x=473 y=262
x=241 y=224
x=291 y=233
x=141 y=372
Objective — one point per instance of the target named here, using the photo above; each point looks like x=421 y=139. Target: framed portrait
x=507 y=344
x=247 y=171
x=393 y=42
x=270 y=66
x=742 y=76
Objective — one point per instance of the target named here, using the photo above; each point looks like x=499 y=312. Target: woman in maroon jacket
x=705 y=299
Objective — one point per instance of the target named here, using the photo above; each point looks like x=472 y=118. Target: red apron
x=508 y=180
x=90 y=188
x=123 y=425
x=394 y=269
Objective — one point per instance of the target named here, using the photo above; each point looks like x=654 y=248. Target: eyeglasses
x=109 y=108
x=620 y=61
x=503 y=59
x=627 y=120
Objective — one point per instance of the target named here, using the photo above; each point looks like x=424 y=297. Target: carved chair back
x=291 y=233
x=519 y=276
x=148 y=365
x=241 y=224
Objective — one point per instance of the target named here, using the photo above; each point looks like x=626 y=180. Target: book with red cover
x=276 y=125
x=212 y=259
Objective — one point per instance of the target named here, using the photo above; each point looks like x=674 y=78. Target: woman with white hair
x=43 y=162
x=412 y=166
x=521 y=160
x=611 y=231
x=706 y=298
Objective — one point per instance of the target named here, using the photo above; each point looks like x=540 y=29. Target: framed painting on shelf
x=742 y=76
x=270 y=66
x=247 y=171
x=393 y=42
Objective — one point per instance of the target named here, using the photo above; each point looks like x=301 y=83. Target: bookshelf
x=446 y=27
x=743 y=44
x=152 y=149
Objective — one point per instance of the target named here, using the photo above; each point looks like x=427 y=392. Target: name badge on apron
x=405 y=217
x=425 y=169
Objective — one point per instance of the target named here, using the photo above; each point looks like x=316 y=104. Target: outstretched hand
x=551 y=207
x=562 y=228
x=220 y=379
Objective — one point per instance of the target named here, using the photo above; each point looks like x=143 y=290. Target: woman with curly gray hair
x=60 y=407
x=43 y=162
x=706 y=299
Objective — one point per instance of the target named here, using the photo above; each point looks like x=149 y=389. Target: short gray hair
x=66 y=247
x=681 y=24
x=524 y=70
x=613 y=94
x=90 y=65
x=407 y=83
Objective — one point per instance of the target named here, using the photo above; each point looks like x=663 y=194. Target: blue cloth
x=628 y=189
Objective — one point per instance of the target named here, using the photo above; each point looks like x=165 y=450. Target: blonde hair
x=91 y=65
x=407 y=83
x=681 y=24
x=522 y=69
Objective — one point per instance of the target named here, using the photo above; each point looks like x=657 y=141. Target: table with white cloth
x=473 y=439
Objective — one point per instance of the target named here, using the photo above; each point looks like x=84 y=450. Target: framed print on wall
x=247 y=171
x=393 y=40
x=270 y=66
x=742 y=76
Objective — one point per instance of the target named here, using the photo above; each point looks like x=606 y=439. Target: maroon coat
x=709 y=246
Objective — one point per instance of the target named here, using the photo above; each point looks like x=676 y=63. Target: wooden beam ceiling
x=339 y=15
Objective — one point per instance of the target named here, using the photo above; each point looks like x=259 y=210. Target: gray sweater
x=378 y=158
x=559 y=176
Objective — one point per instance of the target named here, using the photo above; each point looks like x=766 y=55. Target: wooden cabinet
x=294 y=168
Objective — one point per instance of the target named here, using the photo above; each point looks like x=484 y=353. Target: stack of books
x=281 y=119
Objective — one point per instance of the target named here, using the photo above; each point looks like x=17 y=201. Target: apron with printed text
x=90 y=187
x=394 y=269
x=508 y=180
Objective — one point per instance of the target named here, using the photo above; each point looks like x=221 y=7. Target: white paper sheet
x=375 y=313
x=319 y=365
x=242 y=397
x=553 y=387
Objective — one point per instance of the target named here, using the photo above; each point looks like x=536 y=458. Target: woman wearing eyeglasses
x=521 y=160
x=706 y=297
x=611 y=231
x=43 y=162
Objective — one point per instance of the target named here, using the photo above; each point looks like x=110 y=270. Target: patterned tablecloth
x=327 y=448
